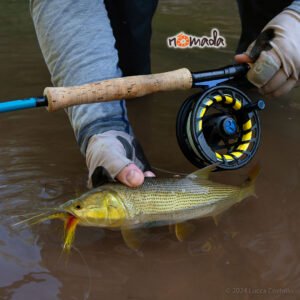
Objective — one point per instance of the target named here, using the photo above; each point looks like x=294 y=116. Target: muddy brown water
x=252 y=254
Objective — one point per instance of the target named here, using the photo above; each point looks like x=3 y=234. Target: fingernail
x=132 y=177
x=149 y=174
x=131 y=174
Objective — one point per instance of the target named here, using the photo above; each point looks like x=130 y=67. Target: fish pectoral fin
x=184 y=230
x=203 y=173
x=133 y=238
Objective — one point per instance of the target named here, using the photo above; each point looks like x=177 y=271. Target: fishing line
x=88 y=293
x=25 y=221
x=169 y=172
x=29 y=213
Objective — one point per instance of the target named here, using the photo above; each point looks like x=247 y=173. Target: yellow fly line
x=247 y=126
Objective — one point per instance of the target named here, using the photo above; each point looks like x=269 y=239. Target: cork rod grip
x=117 y=88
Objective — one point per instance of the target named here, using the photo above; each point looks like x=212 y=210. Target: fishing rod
x=56 y=98
x=218 y=125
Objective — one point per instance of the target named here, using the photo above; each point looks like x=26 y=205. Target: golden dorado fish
x=157 y=202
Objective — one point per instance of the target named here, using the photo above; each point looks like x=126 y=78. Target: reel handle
x=117 y=88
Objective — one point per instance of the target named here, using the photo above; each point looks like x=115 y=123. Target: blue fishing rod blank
x=23 y=104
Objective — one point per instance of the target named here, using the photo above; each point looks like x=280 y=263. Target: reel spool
x=219 y=126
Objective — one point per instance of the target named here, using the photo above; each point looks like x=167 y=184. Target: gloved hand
x=276 y=71
x=116 y=155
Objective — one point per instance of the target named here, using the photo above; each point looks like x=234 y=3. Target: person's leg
x=255 y=14
x=131 y=22
x=77 y=42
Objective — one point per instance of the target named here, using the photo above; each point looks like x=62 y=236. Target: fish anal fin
x=203 y=173
x=133 y=238
x=216 y=219
x=184 y=230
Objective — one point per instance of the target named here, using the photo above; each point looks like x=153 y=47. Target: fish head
x=101 y=207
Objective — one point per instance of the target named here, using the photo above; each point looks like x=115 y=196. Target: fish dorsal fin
x=202 y=173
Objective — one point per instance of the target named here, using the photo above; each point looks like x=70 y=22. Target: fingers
x=285 y=88
x=267 y=75
x=276 y=55
x=132 y=176
x=242 y=58
x=275 y=52
x=106 y=151
x=149 y=174
x=245 y=57
x=116 y=155
x=264 y=69
x=275 y=83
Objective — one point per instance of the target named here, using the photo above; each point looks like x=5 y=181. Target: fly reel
x=219 y=126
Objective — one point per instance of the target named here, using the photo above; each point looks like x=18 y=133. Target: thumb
x=131 y=176
x=243 y=58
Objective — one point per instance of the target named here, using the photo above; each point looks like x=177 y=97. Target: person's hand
x=276 y=71
x=116 y=155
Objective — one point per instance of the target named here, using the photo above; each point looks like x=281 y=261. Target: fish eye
x=78 y=206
